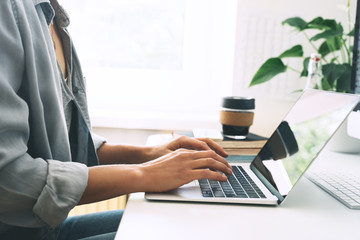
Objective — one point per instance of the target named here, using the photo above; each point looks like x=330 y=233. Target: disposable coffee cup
x=236 y=116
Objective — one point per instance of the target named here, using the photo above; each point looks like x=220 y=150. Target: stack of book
x=251 y=145
x=241 y=147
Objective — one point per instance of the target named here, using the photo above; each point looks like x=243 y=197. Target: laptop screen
x=299 y=138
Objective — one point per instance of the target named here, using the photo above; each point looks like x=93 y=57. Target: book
x=240 y=144
x=243 y=151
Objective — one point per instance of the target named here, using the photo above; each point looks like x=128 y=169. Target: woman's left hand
x=183 y=142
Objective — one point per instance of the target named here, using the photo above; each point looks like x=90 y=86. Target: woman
x=49 y=159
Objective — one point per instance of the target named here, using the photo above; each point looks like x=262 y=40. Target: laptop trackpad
x=190 y=190
x=190 y=184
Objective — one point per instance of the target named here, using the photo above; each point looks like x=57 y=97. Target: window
x=129 y=34
x=155 y=63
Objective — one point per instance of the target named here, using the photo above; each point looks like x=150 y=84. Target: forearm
x=124 y=154
x=162 y=174
x=110 y=181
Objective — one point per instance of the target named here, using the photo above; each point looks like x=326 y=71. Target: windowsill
x=268 y=114
x=152 y=120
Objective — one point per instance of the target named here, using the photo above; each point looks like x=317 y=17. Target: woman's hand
x=171 y=165
x=162 y=174
x=183 y=166
x=184 y=142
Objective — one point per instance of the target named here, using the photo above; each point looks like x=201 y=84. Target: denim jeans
x=94 y=226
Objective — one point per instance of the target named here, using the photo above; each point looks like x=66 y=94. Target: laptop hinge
x=268 y=184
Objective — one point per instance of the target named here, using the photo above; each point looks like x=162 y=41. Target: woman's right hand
x=181 y=167
x=162 y=174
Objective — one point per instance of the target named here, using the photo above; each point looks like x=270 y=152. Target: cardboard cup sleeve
x=238 y=119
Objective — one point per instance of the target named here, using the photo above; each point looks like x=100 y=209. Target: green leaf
x=332 y=72
x=325 y=85
x=335 y=43
x=328 y=34
x=338 y=76
x=296 y=51
x=351 y=33
x=331 y=44
x=316 y=23
x=324 y=49
x=343 y=83
x=304 y=72
x=295 y=22
x=321 y=24
x=330 y=24
x=271 y=68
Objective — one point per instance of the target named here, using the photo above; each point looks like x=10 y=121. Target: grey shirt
x=42 y=174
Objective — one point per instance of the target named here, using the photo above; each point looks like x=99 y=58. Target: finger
x=212 y=165
x=197 y=144
x=208 y=174
x=188 y=143
x=214 y=146
x=210 y=154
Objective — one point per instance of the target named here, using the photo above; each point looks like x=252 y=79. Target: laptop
x=269 y=177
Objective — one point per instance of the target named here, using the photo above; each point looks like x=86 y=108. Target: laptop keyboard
x=238 y=185
x=344 y=187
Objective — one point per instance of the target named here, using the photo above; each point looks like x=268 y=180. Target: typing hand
x=183 y=166
x=191 y=144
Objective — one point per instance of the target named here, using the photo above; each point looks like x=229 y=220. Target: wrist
x=137 y=181
x=142 y=178
x=158 y=151
x=148 y=153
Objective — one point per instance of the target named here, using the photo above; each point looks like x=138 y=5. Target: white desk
x=308 y=213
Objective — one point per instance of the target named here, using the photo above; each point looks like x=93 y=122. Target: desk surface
x=307 y=213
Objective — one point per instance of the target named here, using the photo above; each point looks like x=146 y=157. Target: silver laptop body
x=287 y=154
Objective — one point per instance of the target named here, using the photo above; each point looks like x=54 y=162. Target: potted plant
x=329 y=40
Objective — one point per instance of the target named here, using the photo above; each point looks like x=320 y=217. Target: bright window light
x=155 y=63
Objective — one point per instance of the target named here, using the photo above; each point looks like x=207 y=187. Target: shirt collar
x=61 y=16
x=52 y=9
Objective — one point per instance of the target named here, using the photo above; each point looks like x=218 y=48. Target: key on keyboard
x=238 y=185
x=344 y=187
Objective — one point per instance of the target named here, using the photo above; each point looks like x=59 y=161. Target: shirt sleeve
x=34 y=191
x=98 y=140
